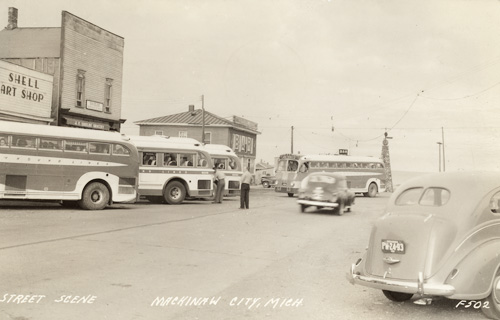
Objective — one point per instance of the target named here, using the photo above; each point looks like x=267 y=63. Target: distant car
x=439 y=236
x=325 y=190
x=268 y=181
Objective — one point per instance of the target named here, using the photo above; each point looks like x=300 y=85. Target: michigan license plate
x=393 y=246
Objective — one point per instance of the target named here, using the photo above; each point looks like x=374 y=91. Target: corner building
x=86 y=63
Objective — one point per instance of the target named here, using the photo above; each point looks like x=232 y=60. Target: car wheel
x=290 y=194
x=491 y=305
x=174 y=193
x=95 y=196
x=397 y=296
x=265 y=184
x=372 y=190
x=303 y=208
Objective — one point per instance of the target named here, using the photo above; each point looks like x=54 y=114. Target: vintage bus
x=364 y=174
x=228 y=162
x=90 y=168
x=171 y=169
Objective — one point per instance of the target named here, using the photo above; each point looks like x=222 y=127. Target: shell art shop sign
x=25 y=91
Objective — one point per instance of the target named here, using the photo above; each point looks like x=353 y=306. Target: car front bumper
x=418 y=286
x=318 y=203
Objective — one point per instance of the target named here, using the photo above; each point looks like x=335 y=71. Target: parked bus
x=228 y=162
x=172 y=169
x=76 y=166
x=364 y=174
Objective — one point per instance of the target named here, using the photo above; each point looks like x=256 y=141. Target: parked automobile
x=439 y=236
x=325 y=190
x=268 y=181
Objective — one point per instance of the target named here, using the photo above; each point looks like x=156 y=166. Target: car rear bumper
x=419 y=286
x=318 y=203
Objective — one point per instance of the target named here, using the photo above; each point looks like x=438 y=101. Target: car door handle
x=391 y=260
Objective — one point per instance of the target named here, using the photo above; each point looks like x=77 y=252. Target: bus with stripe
x=173 y=169
x=364 y=175
x=87 y=167
x=226 y=160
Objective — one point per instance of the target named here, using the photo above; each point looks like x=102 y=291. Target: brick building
x=86 y=63
x=239 y=134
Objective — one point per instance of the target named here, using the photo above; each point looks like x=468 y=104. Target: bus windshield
x=287 y=165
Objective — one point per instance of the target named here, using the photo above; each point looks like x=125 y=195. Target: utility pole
x=292 y=140
x=439 y=145
x=442 y=140
x=203 y=119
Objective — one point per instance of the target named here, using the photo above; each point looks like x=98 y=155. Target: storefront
x=25 y=94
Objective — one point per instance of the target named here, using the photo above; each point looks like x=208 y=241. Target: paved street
x=193 y=261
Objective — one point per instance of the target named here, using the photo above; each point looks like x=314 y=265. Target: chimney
x=12 y=19
x=191 y=108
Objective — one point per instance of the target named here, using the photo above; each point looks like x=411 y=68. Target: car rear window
x=432 y=196
x=409 y=197
x=435 y=197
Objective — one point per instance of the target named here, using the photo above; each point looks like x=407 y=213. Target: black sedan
x=325 y=190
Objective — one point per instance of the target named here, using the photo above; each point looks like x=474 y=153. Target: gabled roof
x=263 y=166
x=193 y=118
x=30 y=43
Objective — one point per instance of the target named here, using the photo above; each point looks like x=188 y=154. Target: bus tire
x=95 y=196
x=290 y=194
x=174 y=192
x=372 y=190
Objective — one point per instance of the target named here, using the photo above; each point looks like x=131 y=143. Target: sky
x=340 y=72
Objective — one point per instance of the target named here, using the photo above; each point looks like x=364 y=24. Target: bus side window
x=4 y=141
x=187 y=160
x=50 y=144
x=102 y=148
x=120 y=150
x=23 y=142
x=149 y=159
x=77 y=146
x=202 y=162
x=172 y=161
x=303 y=168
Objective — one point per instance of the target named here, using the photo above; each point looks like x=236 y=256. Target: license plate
x=393 y=246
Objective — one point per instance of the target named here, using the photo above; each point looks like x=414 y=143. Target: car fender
x=476 y=272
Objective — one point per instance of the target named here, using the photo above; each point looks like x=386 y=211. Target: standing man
x=219 y=180
x=245 y=180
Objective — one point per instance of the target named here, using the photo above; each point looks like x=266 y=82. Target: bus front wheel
x=95 y=196
x=174 y=193
x=290 y=194
x=372 y=190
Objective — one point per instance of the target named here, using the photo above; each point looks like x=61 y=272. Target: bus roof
x=163 y=142
x=219 y=149
x=39 y=130
x=329 y=157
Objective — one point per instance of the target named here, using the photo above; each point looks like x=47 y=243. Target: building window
x=80 y=88
x=207 y=139
x=108 y=93
x=183 y=134
x=158 y=132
